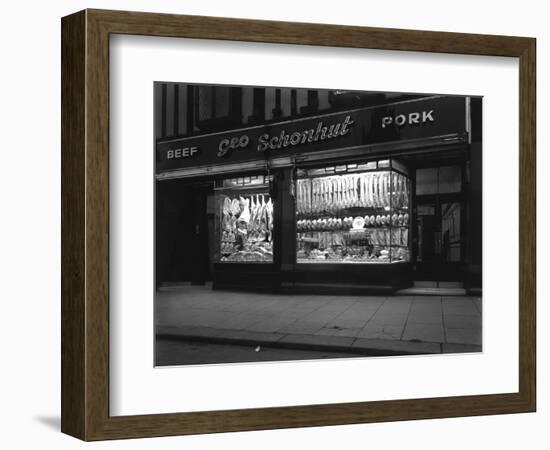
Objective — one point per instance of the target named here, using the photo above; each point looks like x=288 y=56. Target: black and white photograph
x=275 y=225
x=295 y=223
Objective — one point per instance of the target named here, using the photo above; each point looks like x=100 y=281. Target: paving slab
x=335 y=305
x=461 y=348
x=242 y=321
x=271 y=324
x=423 y=332
x=462 y=321
x=369 y=302
x=344 y=322
x=388 y=308
x=430 y=309
x=326 y=332
x=363 y=310
x=464 y=307
x=381 y=330
x=302 y=326
x=425 y=319
x=350 y=332
x=464 y=336
x=395 y=347
x=321 y=316
x=388 y=319
x=293 y=313
x=319 y=341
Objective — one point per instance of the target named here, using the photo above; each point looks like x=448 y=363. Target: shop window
x=247 y=104
x=353 y=214
x=324 y=100
x=293 y=102
x=214 y=103
x=277 y=111
x=426 y=181
x=218 y=108
x=180 y=109
x=270 y=103
x=301 y=100
x=222 y=102
x=286 y=102
x=450 y=179
x=205 y=103
x=243 y=225
x=258 y=106
x=438 y=180
x=188 y=110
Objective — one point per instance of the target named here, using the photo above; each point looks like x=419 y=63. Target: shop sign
x=235 y=143
x=181 y=152
x=319 y=133
x=417 y=119
x=413 y=118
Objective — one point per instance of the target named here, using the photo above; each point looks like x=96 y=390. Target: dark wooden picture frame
x=85 y=224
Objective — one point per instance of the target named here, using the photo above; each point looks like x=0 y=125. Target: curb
x=341 y=344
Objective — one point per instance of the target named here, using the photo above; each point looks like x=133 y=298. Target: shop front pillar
x=475 y=216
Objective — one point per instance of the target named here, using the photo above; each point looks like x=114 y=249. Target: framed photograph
x=273 y=225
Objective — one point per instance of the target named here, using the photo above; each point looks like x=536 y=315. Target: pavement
x=362 y=325
x=175 y=352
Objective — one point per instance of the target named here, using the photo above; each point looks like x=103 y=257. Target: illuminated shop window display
x=244 y=220
x=353 y=213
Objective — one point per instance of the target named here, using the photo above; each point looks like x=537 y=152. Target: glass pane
x=400 y=220
x=450 y=179
x=353 y=215
x=426 y=230
x=244 y=221
x=222 y=101
x=205 y=102
x=426 y=181
x=450 y=229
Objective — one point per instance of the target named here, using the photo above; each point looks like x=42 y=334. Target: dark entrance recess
x=183 y=221
x=439 y=245
x=440 y=228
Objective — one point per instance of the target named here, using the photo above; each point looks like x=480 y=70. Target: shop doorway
x=440 y=225
x=198 y=237
x=183 y=232
x=439 y=252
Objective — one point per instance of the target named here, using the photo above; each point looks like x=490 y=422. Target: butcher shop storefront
x=370 y=199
